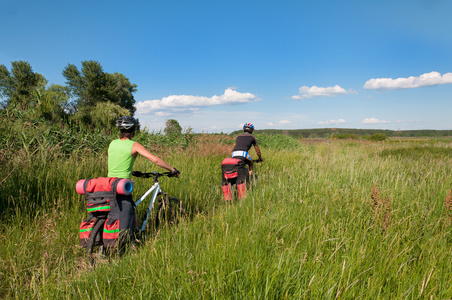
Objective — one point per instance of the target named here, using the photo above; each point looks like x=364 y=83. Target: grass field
x=329 y=219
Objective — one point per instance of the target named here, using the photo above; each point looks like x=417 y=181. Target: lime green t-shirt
x=120 y=160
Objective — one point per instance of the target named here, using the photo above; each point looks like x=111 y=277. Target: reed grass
x=308 y=230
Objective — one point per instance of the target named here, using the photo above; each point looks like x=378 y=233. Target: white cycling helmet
x=126 y=123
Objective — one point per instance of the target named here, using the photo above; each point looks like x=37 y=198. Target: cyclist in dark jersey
x=235 y=170
x=243 y=144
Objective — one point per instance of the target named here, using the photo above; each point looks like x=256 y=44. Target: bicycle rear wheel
x=95 y=249
x=234 y=193
x=170 y=211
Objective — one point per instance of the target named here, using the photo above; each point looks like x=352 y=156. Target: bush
x=376 y=137
x=345 y=136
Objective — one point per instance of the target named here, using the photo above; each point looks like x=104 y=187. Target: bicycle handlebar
x=258 y=160
x=151 y=174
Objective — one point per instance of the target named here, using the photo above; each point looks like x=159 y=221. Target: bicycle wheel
x=234 y=193
x=253 y=180
x=170 y=211
x=95 y=248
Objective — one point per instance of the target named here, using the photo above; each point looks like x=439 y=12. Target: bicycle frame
x=157 y=190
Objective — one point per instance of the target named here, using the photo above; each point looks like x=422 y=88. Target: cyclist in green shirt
x=122 y=154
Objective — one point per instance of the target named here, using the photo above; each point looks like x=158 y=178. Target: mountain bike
x=170 y=209
x=169 y=212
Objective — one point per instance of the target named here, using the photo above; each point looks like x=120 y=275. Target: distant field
x=331 y=132
x=329 y=219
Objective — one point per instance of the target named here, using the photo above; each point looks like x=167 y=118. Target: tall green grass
x=308 y=230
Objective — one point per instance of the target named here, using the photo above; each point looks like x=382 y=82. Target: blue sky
x=214 y=65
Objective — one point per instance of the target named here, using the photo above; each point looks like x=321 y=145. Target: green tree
x=172 y=127
x=92 y=86
x=17 y=87
x=52 y=103
x=103 y=115
x=122 y=92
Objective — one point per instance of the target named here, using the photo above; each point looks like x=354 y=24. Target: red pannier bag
x=100 y=194
x=229 y=167
x=86 y=227
x=111 y=233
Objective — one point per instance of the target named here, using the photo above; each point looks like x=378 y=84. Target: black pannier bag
x=101 y=199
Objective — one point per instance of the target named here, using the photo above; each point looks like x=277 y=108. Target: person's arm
x=258 y=151
x=138 y=148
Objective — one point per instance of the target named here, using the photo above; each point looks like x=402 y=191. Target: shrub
x=345 y=136
x=376 y=137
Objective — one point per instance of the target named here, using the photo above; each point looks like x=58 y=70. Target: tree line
x=340 y=132
x=90 y=97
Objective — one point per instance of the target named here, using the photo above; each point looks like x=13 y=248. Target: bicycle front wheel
x=95 y=248
x=170 y=211
x=253 y=180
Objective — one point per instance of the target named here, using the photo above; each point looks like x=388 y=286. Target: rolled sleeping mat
x=79 y=186
x=124 y=186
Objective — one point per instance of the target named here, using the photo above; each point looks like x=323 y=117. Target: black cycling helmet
x=126 y=123
x=248 y=127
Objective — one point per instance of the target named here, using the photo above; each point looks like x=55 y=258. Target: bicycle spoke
x=170 y=211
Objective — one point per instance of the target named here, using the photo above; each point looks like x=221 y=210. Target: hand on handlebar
x=174 y=173
x=137 y=174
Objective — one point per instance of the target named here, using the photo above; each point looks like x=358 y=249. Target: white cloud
x=282 y=122
x=162 y=114
x=373 y=121
x=184 y=103
x=315 y=91
x=408 y=121
x=335 y=122
x=427 y=79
